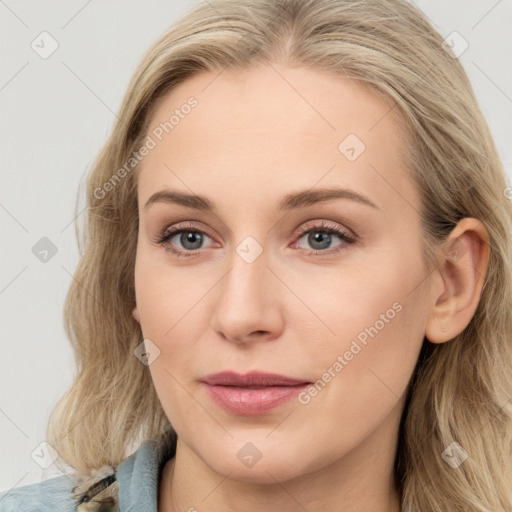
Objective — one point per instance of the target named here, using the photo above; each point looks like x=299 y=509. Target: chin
x=262 y=473
x=267 y=465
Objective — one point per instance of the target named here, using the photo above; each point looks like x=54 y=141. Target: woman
x=294 y=293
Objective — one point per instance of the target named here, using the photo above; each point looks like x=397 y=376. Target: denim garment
x=137 y=478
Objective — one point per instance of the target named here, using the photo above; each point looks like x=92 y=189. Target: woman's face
x=277 y=270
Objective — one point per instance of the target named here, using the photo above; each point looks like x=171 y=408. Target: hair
x=460 y=390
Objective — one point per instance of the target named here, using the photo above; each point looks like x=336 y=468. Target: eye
x=189 y=236
x=191 y=239
x=320 y=237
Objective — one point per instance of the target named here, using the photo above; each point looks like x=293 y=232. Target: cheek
x=172 y=316
x=373 y=325
x=166 y=293
x=172 y=305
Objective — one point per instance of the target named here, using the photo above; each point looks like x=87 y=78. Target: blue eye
x=194 y=238
x=318 y=236
x=190 y=239
x=323 y=239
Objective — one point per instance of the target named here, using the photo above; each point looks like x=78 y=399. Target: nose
x=248 y=304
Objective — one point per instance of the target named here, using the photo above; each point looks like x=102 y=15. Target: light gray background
x=56 y=115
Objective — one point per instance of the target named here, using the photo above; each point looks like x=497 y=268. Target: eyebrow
x=296 y=200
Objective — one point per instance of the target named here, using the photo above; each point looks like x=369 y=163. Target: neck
x=362 y=480
x=175 y=496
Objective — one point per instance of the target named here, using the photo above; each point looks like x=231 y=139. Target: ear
x=135 y=313
x=458 y=280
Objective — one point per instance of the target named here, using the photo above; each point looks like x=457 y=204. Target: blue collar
x=138 y=478
x=139 y=474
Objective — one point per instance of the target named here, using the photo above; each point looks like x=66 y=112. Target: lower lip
x=248 y=402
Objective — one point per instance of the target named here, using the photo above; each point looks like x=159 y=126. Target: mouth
x=254 y=378
x=253 y=393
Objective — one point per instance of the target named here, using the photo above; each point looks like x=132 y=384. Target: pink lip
x=253 y=393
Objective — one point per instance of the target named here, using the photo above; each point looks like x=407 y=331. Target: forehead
x=274 y=127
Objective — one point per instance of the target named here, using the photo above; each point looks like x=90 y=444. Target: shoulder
x=137 y=483
x=51 y=495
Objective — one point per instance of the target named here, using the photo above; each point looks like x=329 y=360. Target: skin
x=254 y=137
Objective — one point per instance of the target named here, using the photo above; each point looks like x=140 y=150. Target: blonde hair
x=460 y=390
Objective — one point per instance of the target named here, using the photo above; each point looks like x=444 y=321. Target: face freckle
x=349 y=323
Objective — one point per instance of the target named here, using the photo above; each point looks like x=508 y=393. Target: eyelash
x=326 y=228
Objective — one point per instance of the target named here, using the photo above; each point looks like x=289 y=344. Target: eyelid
x=189 y=225
x=328 y=226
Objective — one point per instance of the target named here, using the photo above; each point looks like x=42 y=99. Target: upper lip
x=254 y=378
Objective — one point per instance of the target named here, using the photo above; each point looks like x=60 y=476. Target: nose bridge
x=247 y=281
x=247 y=302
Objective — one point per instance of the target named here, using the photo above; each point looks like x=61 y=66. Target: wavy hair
x=460 y=390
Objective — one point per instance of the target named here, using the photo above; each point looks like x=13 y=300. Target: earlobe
x=135 y=313
x=458 y=280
